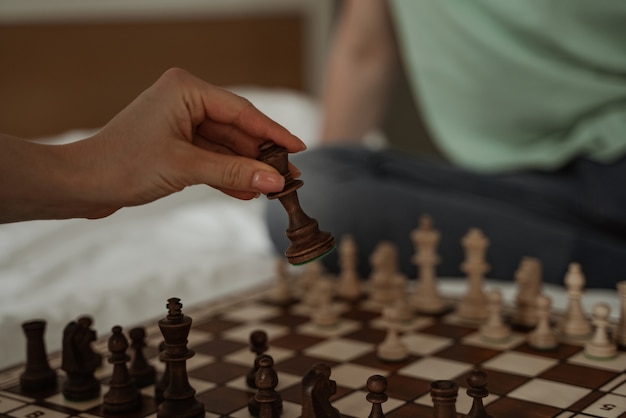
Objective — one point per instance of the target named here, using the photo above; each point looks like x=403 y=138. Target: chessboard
x=521 y=381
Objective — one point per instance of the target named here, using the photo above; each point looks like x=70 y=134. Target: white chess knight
x=600 y=345
x=385 y=274
x=574 y=323
x=426 y=298
x=473 y=306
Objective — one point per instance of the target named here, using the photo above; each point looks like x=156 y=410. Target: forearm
x=361 y=66
x=40 y=181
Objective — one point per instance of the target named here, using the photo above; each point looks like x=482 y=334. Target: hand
x=180 y=132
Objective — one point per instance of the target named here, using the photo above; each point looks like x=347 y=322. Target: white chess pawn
x=309 y=284
x=495 y=329
x=325 y=314
x=392 y=348
x=543 y=336
x=600 y=346
x=575 y=324
x=349 y=286
x=281 y=293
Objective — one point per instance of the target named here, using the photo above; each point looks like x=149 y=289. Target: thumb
x=235 y=173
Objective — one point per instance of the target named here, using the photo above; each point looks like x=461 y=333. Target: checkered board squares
x=522 y=382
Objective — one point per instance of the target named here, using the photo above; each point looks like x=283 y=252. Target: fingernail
x=268 y=182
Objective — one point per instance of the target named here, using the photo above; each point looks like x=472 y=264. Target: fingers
x=235 y=119
x=235 y=175
x=211 y=146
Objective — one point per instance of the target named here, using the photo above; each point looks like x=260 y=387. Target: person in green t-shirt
x=525 y=100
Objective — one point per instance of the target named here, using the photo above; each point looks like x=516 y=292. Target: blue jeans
x=575 y=214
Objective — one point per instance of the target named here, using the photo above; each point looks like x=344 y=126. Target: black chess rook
x=179 y=397
x=37 y=374
x=308 y=243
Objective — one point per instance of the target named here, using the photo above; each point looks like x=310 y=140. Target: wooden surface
x=57 y=77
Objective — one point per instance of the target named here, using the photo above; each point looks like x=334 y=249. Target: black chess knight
x=79 y=363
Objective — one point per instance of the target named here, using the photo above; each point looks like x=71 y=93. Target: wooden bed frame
x=61 y=76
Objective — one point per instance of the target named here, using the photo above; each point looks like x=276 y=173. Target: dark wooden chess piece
x=79 y=362
x=258 y=345
x=87 y=322
x=477 y=381
x=123 y=395
x=164 y=381
x=37 y=374
x=317 y=388
x=266 y=403
x=444 y=394
x=179 y=397
x=307 y=241
x=140 y=370
x=377 y=386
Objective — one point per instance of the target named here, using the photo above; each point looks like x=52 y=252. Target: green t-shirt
x=510 y=84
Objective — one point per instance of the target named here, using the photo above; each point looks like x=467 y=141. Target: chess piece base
x=600 y=352
x=81 y=388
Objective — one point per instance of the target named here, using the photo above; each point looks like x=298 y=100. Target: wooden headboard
x=56 y=77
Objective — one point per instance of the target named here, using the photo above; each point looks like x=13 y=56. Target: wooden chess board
x=522 y=382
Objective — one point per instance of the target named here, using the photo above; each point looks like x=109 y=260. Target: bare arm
x=179 y=132
x=361 y=66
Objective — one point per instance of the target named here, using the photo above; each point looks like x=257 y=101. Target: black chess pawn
x=477 y=381
x=37 y=374
x=79 y=362
x=377 y=386
x=444 y=394
x=179 y=397
x=266 y=402
x=258 y=345
x=123 y=395
x=140 y=370
x=307 y=241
